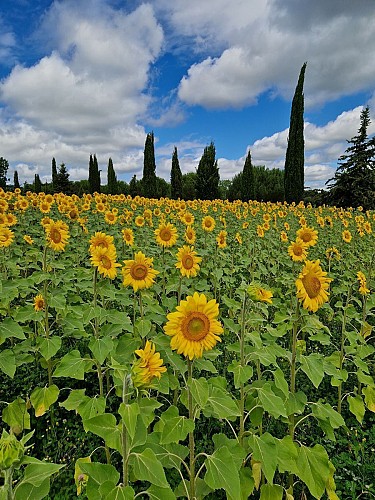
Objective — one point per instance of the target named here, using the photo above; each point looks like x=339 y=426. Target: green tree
x=134 y=186
x=247 y=180
x=37 y=184
x=207 y=180
x=97 y=175
x=112 y=186
x=123 y=187
x=294 y=176
x=188 y=186
x=149 y=168
x=54 y=176
x=354 y=182
x=62 y=180
x=234 y=191
x=94 y=175
x=16 y=182
x=4 y=165
x=176 y=177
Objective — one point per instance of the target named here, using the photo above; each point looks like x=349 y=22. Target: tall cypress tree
x=149 y=168
x=91 y=175
x=54 y=176
x=207 y=180
x=112 y=186
x=16 y=182
x=248 y=180
x=37 y=184
x=4 y=165
x=96 y=175
x=294 y=176
x=176 y=177
x=133 y=186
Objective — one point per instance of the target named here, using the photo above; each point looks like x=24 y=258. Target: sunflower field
x=167 y=349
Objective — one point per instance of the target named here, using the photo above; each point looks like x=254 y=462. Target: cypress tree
x=91 y=175
x=149 y=168
x=54 y=176
x=133 y=186
x=37 y=184
x=248 y=180
x=207 y=180
x=62 y=180
x=4 y=165
x=176 y=177
x=294 y=177
x=96 y=175
x=112 y=186
x=16 y=182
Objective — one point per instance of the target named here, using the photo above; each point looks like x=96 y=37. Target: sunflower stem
x=46 y=323
x=242 y=361
x=124 y=438
x=191 y=434
x=342 y=352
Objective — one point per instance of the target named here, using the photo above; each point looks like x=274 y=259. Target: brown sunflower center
x=195 y=326
x=187 y=261
x=312 y=286
x=306 y=237
x=165 y=234
x=138 y=271
x=297 y=250
x=105 y=262
x=55 y=236
x=208 y=223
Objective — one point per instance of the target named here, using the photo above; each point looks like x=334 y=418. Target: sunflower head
x=363 y=290
x=39 y=303
x=347 y=236
x=148 y=366
x=139 y=272
x=259 y=294
x=6 y=236
x=222 y=239
x=312 y=286
x=208 y=223
x=308 y=235
x=57 y=235
x=194 y=327
x=298 y=250
x=105 y=261
x=100 y=240
x=166 y=235
x=190 y=235
x=128 y=236
x=188 y=261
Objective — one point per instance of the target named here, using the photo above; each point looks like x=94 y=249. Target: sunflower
x=45 y=207
x=6 y=236
x=105 y=260
x=260 y=294
x=57 y=235
x=28 y=239
x=139 y=273
x=208 y=223
x=333 y=253
x=298 y=250
x=148 y=366
x=222 y=239
x=39 y=303
x=260 y=231
x=100 y=240
x=139 y=221
x=188 y=261
x=190 y=235
x=238 y=238
x=308 y=235
x=11 y=220
x=347 y=236
x=363 y=290
x=312 y=285
x=193 y=326
x=110 y=217
x=284 y=237
x=128 y=236
x=166 y=235
x=187 y=218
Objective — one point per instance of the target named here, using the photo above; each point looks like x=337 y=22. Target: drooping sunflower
x=166 y=235
x=308 y=235
x=194 y=327
x=333 y=254
x=128 y=236
x=6 y=236
x=238 y=238
x=221 y=239
x=363 y=290
x=260 y=294
x=39 y=303
x=208 y=223
x=260 y=231
x=105 y=260
x=347 y=236
x=298 y=250
x=57 y=235
x=28 y=239
x=188 y=261
x=190 y=235
x=312 y=286
x=139 y=272
x=100 y=240
x=148 y=366
x=284 y=237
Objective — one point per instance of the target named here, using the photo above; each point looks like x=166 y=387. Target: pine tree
x=149 y=168
x=354 y=181
x=248 y=180
x=4 y=165
x=207 y=181
x=62 y=180
x=54 y=176
x=294 y=177
x=176 y=177
x=37 y=184
x=112 y=187
x=16 y=182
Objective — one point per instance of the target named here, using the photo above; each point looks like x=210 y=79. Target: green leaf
x=120 y=492
x=313 y=366
x=242 y=374
x=199 y=390
x=271 y=492
x=91 y=407
x=271 y=403
x=280 y=382
x=98 y=475
x=327 y=416
x=129 y=414
x=287 y=454
x=43 y=397
x=143 y=327
x=17 y=416
x=312 y=466
x=101 y=347
x=27 y=491
x=369 y=393
x=357 y=407
x=74 y=399
x=71 y=365
x=146 y=467
x=105 y=426
x=265 y=451
x=157 y=493
x=8 y=362
x=10 y=328
x=48 y=347
x=221 y=472
x=246 y=482
x=222 y=404
x=35 y=474
x=176 y=429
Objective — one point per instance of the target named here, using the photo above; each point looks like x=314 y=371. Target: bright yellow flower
x=194 y=327
x=190 y=235
x=283 y=237
x=363 y=290
x=222 y=239
x=139 y=221
x=188 y=261
x=100 y=240
x=238 y=238
x=6 y=236
x=105 y=260
x=260 y=231
x=333 y=253
x=187 y=218
x=139 y=273
x=166 y=235
x=57 y=235
x=308 y=235
x=39 y=303
x=347 y=236
x=148 y=366
x=260 y=294
x=312 y=286
x=208 y=223
x=298 y=250
x=110 y=218
x=128 y=236
x=28 y=239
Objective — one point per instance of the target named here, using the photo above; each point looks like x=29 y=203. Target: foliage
x=248 y=180
x=112 y=186
x=188 y=186
x=149 y=167
x=62 y=183
x=16 y=182
x=94 y=175
x=207 y=180
x=176 y=177
x=4 y=165
x=55 y=187
x=294 y=160
x=354 y=182
x=37 y=184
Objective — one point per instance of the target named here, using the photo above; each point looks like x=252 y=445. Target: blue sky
x=94 y=76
